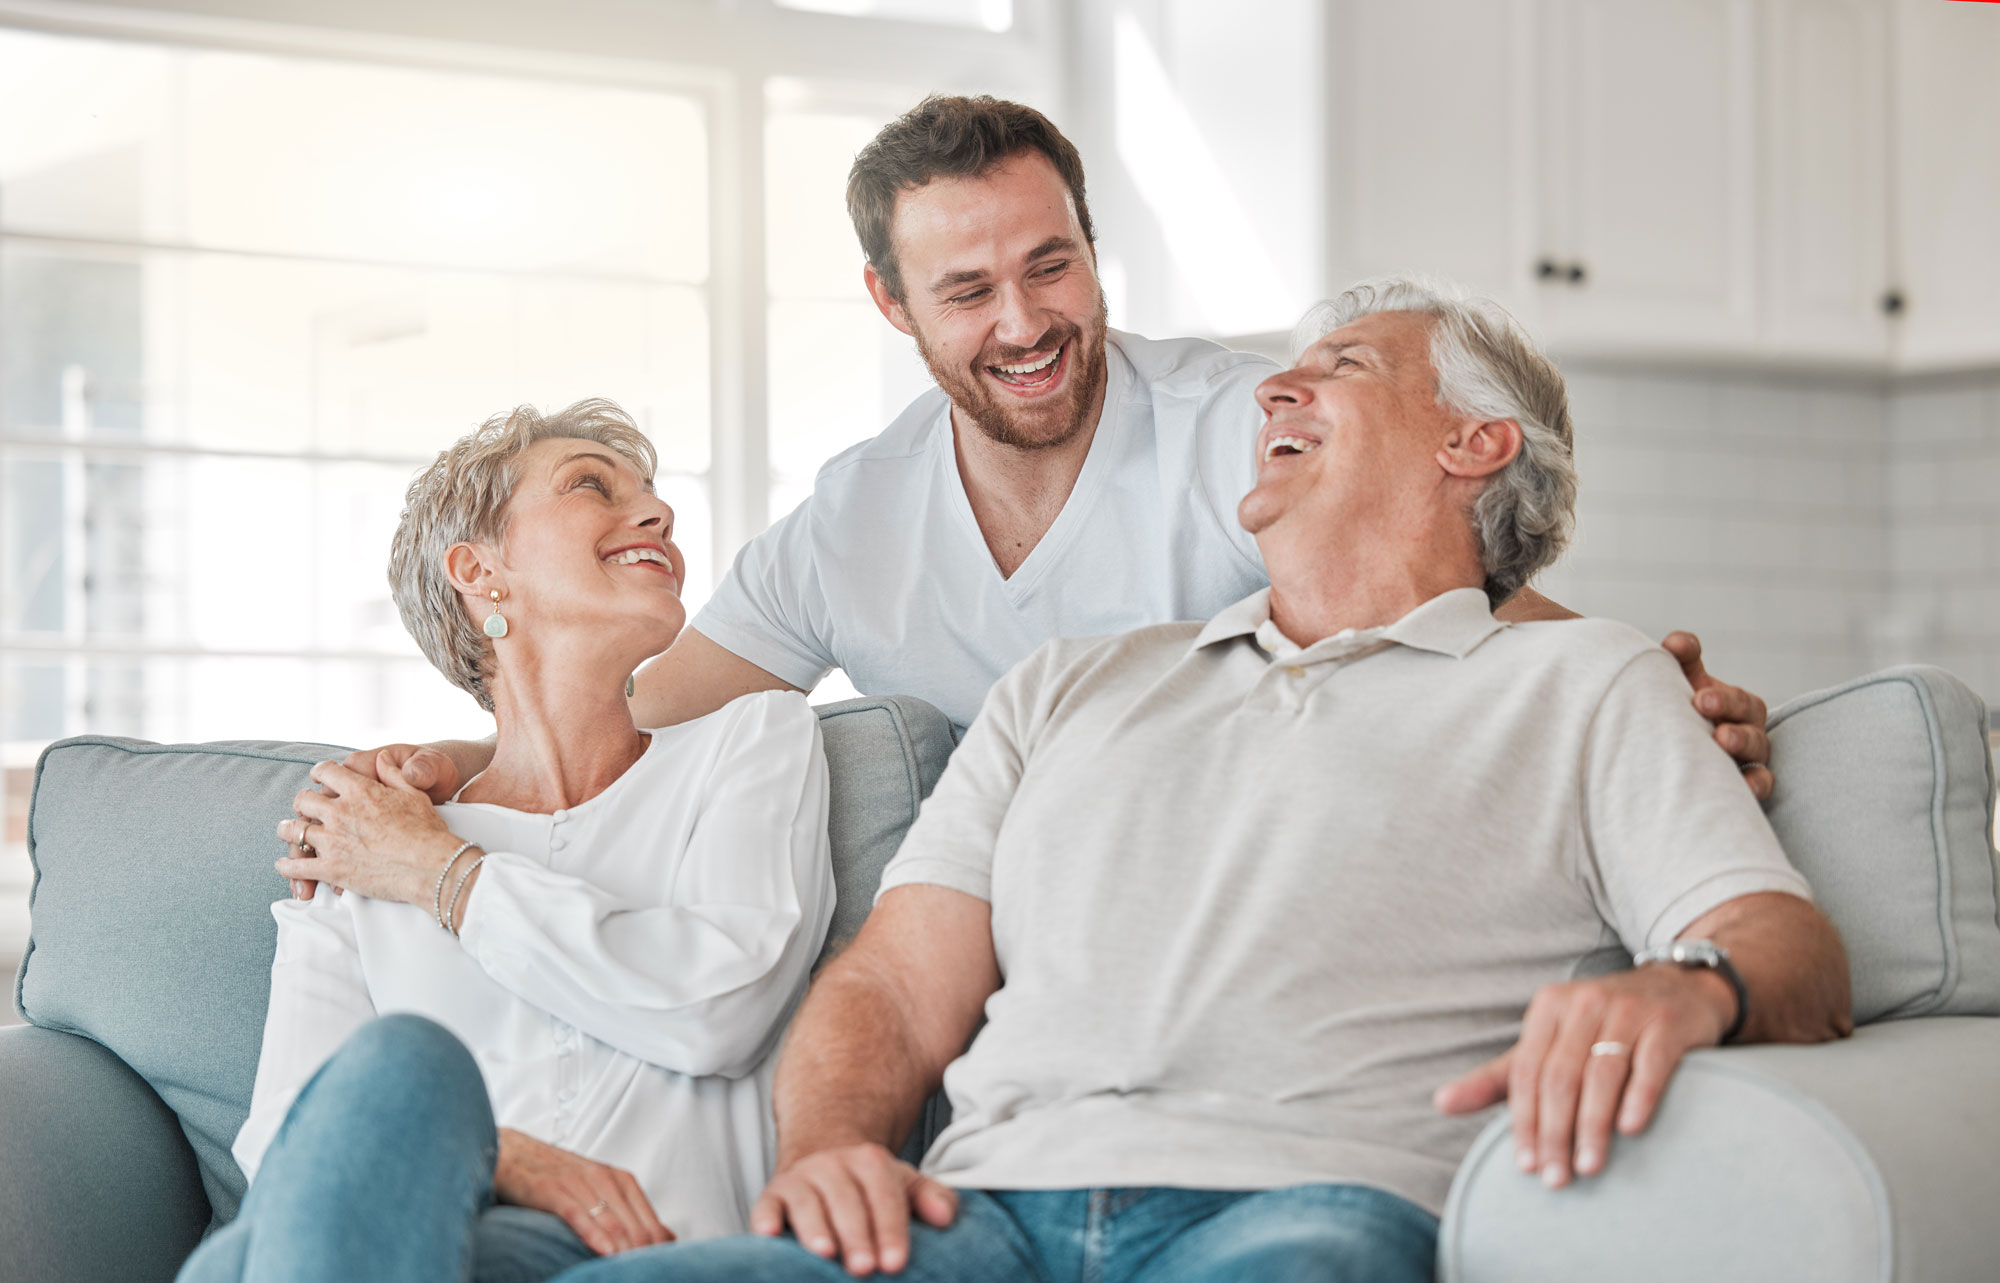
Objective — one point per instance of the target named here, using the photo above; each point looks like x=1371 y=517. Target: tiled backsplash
x=1810 y=528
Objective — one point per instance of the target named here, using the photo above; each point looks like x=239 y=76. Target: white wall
x=1943 y=447
x=1748 y=508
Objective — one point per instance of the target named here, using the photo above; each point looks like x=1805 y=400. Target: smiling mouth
x=651 y=558
x=1039 y=373
x=1288 y=445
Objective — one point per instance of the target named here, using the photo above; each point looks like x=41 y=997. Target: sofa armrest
x=1869 y=1159
x=96 y=1180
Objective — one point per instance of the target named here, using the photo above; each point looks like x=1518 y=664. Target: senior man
x=1063 y=479
x=1255 y=908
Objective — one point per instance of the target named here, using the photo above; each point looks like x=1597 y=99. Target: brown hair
x=948 y=137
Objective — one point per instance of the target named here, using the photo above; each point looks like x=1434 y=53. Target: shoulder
x=1590 y=656
x=760 y=719
x=907 y=439
x=1060 y=666
x=1190 y=368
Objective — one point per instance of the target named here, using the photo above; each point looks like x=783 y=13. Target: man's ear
x=1477 y=449
x=885 y=302
x=470 y=567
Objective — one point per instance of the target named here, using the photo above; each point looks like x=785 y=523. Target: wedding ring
x=600 y=1209
x=1609 y=1048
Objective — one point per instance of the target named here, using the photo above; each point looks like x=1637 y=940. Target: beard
x=1040 y=425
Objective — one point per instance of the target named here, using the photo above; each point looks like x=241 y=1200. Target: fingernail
x=1552 y=1176
x=822 y=1246
x=1524 y=1159
x=1586 y=1160
x=860 y=1263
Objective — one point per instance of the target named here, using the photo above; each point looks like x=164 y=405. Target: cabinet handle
x=1576 y=273
x=1547 y=269
x=1893 y=303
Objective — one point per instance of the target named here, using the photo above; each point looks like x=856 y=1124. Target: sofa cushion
x=151 y=926
x=152 y=932
x=1885 y=802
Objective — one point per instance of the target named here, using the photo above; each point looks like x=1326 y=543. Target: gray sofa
x=1878 y=1158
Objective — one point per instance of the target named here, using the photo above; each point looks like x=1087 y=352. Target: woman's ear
x=1477 y=449
x=469 y=566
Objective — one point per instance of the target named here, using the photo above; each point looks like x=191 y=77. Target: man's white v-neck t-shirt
x=883 y=571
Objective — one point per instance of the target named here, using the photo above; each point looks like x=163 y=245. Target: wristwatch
x=1704 y=953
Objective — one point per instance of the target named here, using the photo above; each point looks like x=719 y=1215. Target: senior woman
x=539 y=1022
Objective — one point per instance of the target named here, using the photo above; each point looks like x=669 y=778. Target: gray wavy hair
x=462 y=498
x=1488 y=367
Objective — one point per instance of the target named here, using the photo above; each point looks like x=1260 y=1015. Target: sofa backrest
x=152 y=931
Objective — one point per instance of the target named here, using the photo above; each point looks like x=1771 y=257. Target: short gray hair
x=1486 y=366
x=462 y=498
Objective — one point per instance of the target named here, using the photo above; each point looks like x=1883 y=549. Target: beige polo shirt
x=1252 y=911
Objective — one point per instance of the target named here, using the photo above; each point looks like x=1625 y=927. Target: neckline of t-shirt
x=653 y=741
x=1061 y=533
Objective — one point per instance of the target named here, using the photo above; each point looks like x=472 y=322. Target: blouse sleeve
x=701 y=983
x=318 y=998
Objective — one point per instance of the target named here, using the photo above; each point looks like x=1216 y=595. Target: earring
x=628 y=685
x=496 y=623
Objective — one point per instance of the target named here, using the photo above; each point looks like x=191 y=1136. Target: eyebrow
x=952 y=280
x=601 y=458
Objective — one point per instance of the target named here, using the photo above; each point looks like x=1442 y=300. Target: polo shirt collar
x=1452 y=623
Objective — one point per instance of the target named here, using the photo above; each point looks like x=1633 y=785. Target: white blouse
x=623 y=972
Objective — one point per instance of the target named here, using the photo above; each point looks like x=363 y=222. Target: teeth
x=1299 y=444
x=1032 y=366
x=633 y=556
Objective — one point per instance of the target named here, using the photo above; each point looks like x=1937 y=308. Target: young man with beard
x=1062 y=480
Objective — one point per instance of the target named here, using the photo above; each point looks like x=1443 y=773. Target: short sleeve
x=951 y=843
x=1228 y=421
x=1671 y=829
x=770 y=609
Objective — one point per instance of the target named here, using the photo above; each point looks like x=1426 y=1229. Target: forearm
x=694 y=678
x=1527 y=606
x=1792 y=964
x=853 y=1069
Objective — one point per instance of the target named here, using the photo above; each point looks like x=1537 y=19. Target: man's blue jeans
x=383 y=1171
x=1321 y=1233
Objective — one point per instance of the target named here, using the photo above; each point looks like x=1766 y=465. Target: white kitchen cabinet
x=1647 y=174
x=1825 y=191
x=1947 y=208
x=1429 y=136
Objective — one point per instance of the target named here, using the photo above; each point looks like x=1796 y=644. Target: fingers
x=1607 y=1066
x=639 y=1212
x=1761 y=782
x=313 y=805
x=1483 y=1087
x=1686 y=647
x=847 y=1209
x=1561 y=1084
x=799 y=1203
x=1524 y=1074
x=937 y=1204
x=337 y=780
x=1653 y=1063
x=886 y=1185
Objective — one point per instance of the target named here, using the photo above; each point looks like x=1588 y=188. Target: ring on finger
x=1747 y=767
x=1610 y=1048
x=305 y=826
x=599 y=1210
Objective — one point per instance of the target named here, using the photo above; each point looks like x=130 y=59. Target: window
x=242 y=299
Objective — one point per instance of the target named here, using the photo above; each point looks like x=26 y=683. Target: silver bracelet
x=452 y=909
x=437 y=893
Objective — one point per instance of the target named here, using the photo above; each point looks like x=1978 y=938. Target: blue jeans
x=1321 y=1233
x=383 y=1170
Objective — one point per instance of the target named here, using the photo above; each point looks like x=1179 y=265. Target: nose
x=1021 y=324
x=1283 y=389
x=657 y=515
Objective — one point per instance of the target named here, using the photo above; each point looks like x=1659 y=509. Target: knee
x=406 y=1064
x=411 y=1047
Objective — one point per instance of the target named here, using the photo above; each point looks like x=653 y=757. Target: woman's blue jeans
x=1298 y=1234
x=383 y=1171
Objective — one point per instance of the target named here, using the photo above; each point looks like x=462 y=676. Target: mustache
x=1010 y=355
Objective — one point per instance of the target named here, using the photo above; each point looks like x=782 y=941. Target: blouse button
x=557 y=844
x=560 y=816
